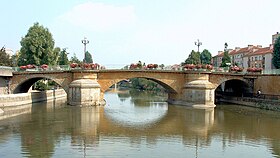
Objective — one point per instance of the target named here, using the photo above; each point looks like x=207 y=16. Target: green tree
x=226 y=58
x=205 y=57
x=37 y=47
x=63 y=59
x=276 y=53
x=194 y=58
x=145 y=84
x=74 y=59
x=88 y=58
x=5 y=59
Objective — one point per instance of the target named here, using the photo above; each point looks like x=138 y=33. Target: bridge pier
x=197 y=92
x=84 y=92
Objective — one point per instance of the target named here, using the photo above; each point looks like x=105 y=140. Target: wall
x=3 y=86
x=245 y=62
x=16 y=101
x=268 y=61
x=253 y=102
x=268 y=84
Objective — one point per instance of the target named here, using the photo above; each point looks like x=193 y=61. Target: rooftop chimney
x=237 y=48
x=250 y=46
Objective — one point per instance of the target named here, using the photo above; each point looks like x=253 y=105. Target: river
x=140 y=124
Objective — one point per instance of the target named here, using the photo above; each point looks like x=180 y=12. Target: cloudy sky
x=121 y=32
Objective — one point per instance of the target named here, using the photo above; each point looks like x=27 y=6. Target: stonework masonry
x=17 y=101
x=194 y=88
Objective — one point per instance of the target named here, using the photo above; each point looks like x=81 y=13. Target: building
x=274 y=37
x=251 y=56
x=217 y=60
x=236 y=56
x=262 y=58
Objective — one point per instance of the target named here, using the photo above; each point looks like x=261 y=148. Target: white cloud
x=99 y=16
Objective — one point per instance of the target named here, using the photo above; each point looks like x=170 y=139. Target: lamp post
x=85 y=42
x=198 y=44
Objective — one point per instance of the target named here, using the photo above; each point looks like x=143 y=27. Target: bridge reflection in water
x=133 y=127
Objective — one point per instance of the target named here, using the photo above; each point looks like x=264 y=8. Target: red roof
x=262 y=51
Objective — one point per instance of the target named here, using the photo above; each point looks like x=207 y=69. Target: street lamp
x=85 y=42
x=198 y=44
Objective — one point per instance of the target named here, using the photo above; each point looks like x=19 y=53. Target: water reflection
x=135 y=112
x=131 y=127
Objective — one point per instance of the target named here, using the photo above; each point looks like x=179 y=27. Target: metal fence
x=249 y=95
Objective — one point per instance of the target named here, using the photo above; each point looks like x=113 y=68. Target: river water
x=140 y=124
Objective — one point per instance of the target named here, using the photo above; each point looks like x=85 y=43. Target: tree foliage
x=276 y=54
x=205 y=57
x=74 y=59
x=145 y=84
x=37 y=47
x=226 y=58
x=194 y=58
x=88 y=58
x=62 y=58
x=5 y=59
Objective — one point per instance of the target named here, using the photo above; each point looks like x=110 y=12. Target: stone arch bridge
x=87 y=87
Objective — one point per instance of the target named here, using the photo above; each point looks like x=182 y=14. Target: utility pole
x=85 y=42
x=198 y=44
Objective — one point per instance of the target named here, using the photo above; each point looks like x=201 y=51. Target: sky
x=121 y=32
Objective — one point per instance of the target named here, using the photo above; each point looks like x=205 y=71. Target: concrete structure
x=87 y=87
x=192 y=88
x=5 y=75
x=13 y=104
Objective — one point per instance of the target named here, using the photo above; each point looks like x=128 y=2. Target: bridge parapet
x=6 y=71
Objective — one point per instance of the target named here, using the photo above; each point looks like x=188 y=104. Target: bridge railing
x=49 y=68
x=271 y=71
x=250 y=95
x=6 y=68
x=167 y=68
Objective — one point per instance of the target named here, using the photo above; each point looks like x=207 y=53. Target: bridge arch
x=234 y=87
x=22 y=83
x=27 y=84
x=167 y=87
x=217 y=80
x=106 y=85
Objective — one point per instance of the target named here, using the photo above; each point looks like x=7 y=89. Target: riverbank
x=16 y=103
x=266 y=104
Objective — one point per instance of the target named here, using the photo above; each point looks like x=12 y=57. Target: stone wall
x=253 y=102
x=268 y=84
x=3 y=86
x=17 y=101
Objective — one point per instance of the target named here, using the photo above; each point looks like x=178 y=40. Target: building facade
x=250 y=57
